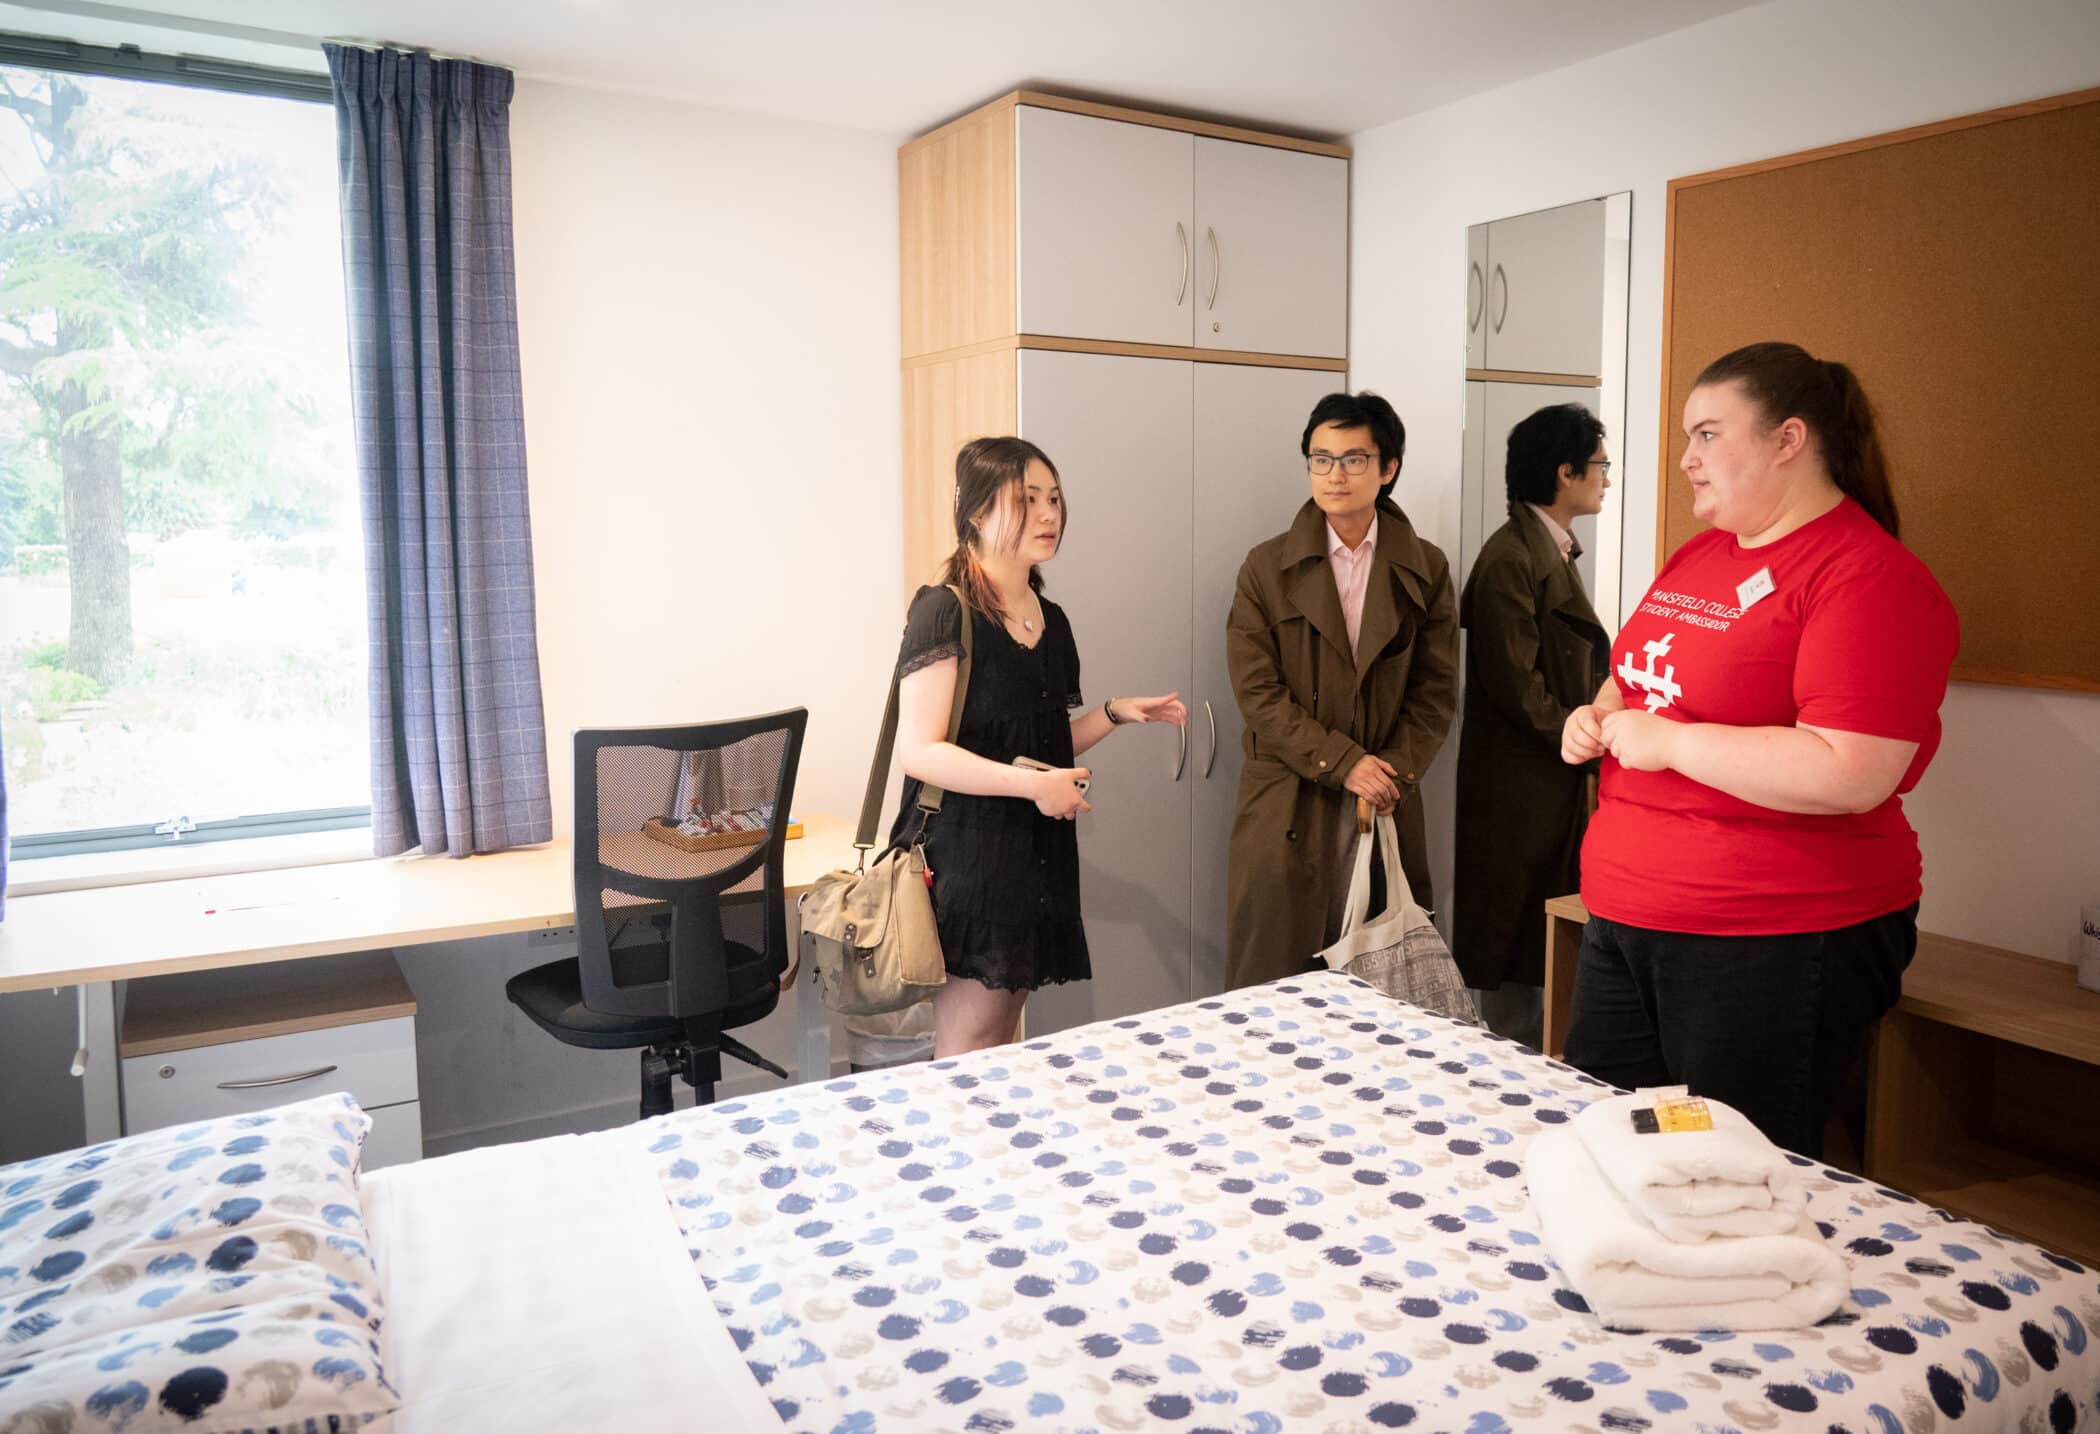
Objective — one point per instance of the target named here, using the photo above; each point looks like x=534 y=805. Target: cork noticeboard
x=1952 y=266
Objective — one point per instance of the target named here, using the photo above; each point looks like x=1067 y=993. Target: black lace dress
x=1005 y=877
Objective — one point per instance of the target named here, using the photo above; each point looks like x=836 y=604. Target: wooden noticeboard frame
x=1951 y=266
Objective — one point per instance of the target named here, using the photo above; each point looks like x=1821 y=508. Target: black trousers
x=1770 y=1024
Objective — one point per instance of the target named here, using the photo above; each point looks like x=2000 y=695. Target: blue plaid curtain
x=459 y=748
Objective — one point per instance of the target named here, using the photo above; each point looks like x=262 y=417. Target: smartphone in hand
x=1083 y=783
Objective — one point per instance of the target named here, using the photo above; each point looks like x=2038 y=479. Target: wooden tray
x=658 y=829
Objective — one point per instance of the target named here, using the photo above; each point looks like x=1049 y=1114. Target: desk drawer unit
x=227 y=1043
x=374 y=1061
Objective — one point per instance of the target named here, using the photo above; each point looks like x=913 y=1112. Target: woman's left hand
x=1153 y=709
x=1640 y=741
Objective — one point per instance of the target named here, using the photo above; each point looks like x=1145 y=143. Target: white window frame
x=129 y=62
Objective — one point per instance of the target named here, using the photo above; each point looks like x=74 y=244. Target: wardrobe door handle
x=1217 y=267
x=1504 y=315
x=1212 y=718
x=1181 y=755
x=1473 y=277
x=275 y=1080
x=1183 y=235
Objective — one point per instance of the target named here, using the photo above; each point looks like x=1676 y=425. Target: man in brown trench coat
x=1534 y=652
x=1343 y=650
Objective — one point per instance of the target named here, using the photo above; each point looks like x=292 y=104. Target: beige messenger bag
x=869 y=933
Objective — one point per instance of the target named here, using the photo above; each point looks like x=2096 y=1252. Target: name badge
x=1751 y=589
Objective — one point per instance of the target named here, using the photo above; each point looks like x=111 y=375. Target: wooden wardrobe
x=1158 y=303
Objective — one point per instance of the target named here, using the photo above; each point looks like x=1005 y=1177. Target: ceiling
x=1324 y=68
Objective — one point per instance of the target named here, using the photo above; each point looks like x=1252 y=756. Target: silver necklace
x=1028 y=623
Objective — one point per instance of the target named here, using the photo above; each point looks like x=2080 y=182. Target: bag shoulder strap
x=879 y=772
x=929 y=795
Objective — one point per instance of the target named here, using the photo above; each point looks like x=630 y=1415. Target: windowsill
x=181 y=860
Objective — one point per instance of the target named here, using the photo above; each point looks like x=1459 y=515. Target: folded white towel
x=1695 y=1184
x=1636 y=1278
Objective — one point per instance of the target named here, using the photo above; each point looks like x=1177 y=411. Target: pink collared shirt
x=1562 y=538
x=1352 y=572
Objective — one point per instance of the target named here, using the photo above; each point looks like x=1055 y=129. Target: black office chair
x=655 y=965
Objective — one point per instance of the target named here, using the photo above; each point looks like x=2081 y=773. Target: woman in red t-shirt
x=1752 y=883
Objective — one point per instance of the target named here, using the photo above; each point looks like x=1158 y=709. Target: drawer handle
x=274 y=1080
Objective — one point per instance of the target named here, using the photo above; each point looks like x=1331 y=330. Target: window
x=182 y=609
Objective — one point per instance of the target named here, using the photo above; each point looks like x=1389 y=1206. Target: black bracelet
x=1108 y=710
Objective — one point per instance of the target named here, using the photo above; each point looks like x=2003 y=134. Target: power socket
x=552 y=936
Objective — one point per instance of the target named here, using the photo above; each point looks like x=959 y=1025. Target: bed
x=1300 y=1206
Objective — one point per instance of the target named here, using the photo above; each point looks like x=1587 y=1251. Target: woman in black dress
x=1003 y=852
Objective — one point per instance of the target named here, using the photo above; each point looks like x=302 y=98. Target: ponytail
x=1784 y=381
x=963 y=569
x=1853 y=452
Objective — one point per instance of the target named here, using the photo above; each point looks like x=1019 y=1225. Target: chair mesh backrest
x=730 y=783
x=644 y=792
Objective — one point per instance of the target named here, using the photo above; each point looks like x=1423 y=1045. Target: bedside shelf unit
x=1983 y=1088
x=1985 y=1081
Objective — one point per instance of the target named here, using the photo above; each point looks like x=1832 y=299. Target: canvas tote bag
x=1400 y=952
x=869 y=933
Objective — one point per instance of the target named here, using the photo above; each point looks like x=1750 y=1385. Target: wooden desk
x=1981 y=1089
x=94 y=937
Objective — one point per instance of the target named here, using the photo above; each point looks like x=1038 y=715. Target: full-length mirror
x=1538 y=573
x=1546 y=324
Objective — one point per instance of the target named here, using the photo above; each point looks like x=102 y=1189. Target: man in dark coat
x=1534 y=652
x=1343 y=650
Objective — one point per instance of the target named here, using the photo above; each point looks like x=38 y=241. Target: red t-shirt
x=1852 y=634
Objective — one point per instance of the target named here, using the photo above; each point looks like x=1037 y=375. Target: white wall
x=2010 y=831
x=708 y=322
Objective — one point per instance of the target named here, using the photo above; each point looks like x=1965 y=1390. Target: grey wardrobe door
x=1272 y=247
x=1476 y=296
x=1118 y=431
x=1546 y=290
x=1102 y=214
x=1250 y=482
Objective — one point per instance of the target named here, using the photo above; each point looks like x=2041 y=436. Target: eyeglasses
x=1353 y=464
x=1604 y=463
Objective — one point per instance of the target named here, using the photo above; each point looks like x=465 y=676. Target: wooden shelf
x=2041 y=1201
x=1983 y=1079
x=2001 y=994
x=2009 y=997
x=1119 y=348
x=1514 y=375
x=209 y=1008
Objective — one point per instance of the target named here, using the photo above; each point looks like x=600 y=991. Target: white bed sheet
x=547 y=1286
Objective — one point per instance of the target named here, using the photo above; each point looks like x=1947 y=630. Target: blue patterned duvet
x=1300 y=1206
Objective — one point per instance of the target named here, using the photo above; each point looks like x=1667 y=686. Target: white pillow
x=207 y=1277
